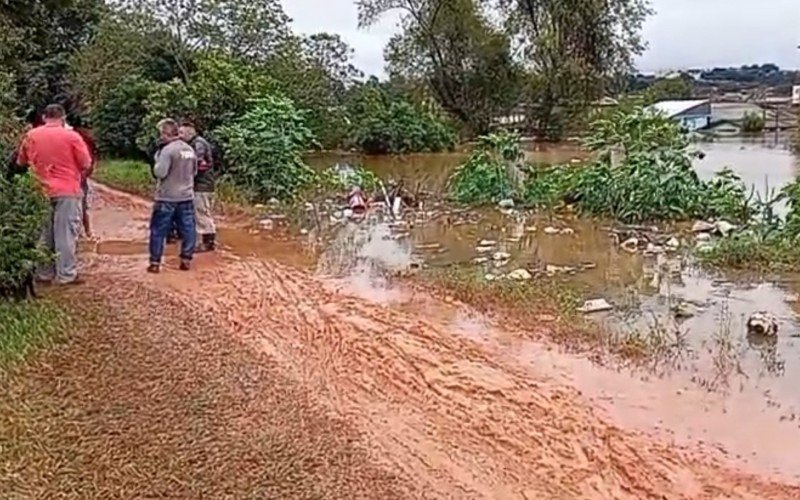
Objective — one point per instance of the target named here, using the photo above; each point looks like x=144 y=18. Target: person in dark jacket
x=203 y=187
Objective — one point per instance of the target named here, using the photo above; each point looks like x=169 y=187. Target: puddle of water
x=444 y=237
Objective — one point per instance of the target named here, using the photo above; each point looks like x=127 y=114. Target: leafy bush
x=264 y=149
x=643 y=172
x=117 y=120
x=171 y=99
x=220 y=91
x=490 y=173
x=23 y=210
x=384 y=124
x=753 y=123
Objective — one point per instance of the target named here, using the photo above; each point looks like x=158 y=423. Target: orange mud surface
x=434 y=411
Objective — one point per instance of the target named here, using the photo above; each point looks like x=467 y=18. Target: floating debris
x=267 y=224
x=724 y=228
x=595 y=306
x=480 y=260
x=428 y=246
x=702 y=226
x=507 y=203
x=631 y=245
x=487 y=243
x=762 y=323
x=501 y=256
x=520 y=275
x=673 y=243
x=703 y=237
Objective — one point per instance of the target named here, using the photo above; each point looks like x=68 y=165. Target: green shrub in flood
x=764 y=241
x=25 y=326
x=264 y=149
x=491 y=173
x=383 y=123
x=642 y=172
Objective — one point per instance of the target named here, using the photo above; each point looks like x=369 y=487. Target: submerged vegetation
x=642 y=172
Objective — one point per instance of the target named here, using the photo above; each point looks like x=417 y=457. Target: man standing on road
x=203 y=187
x=59 y=159
x=91 y=144
x=174 y=169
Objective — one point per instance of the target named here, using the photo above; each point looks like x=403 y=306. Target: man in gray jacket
x=174 y=169
x=203 y=187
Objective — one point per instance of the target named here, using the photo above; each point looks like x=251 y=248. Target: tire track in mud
x=436 y=407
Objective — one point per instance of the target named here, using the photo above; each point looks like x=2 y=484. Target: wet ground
x=649 y=292
x=445 y=403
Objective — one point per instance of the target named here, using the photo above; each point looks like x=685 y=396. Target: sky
x=682 y=34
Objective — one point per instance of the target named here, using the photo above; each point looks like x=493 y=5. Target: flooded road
x=648 y=292
x=453 y=404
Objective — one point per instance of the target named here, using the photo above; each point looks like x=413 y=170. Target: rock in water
x=520 y=275
x=507 y=203
x=595 y=305
x=763 y=323
x=724 y=228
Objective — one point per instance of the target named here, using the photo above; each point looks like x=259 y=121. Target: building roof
x=674 y=108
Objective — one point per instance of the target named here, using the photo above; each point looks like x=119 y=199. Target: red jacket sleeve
x=81 y=153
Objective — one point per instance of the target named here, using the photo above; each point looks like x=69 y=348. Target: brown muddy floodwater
x=646 y=290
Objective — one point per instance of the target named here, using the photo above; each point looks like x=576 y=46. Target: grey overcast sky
x=682 y=33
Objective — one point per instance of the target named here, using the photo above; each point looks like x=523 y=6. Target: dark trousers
x=165 y=215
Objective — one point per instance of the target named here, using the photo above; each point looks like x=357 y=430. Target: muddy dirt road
x=413 y=405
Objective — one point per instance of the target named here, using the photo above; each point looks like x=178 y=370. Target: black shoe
x=208 y=244
x=185 y=265
x=154 y=269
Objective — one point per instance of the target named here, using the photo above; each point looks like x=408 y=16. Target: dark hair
x=54 y=112
x=187 y=123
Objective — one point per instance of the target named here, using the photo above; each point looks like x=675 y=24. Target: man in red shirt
x=58 y=158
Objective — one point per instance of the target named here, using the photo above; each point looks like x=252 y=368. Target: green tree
x=574 y=50
x=753 y=123
x=455 y=50
x=117 y=119
x=240 y=28
x=264 y=148
x=36 y=55
x=383 y=122
x=315 y=72
x=120 y=49
x=666 y=89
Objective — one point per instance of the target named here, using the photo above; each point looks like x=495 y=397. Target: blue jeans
x=165 y=214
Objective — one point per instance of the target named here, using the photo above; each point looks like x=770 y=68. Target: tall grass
x=26 y=326
x=126 y=175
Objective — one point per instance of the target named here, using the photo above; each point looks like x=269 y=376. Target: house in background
x=691 y=115
x=727 y=118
